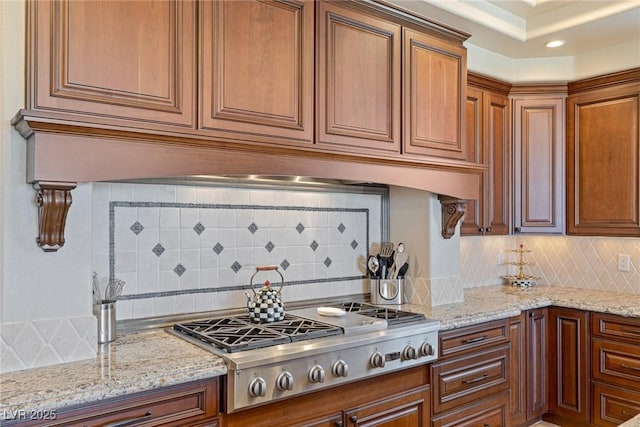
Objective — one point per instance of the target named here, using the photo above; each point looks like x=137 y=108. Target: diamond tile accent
x=136 y=227
x=218 y=248
x=158 y=249
x=284 y=264
x=300 y=227
x=354 y=244
x=341 y=228
x=236 y=266
x=179 y=269
x=198 y=228
x=253 y=227
x=314 y=245
x=327 y=261
x=269 y=246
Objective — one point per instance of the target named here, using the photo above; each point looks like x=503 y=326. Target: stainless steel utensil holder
x=106 y=313
x=387 y=291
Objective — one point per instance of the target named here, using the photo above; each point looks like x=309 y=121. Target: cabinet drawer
x=473 y=337
x=614 y=405
x=618 y=327
x=616 y=362
x=467 y=378
x=184 y=405
x=491 y=412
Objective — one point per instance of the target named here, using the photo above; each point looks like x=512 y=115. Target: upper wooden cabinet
x=358 y=91
x=435 y=72
x=603 y=156
x=256 y=68
x=538 y=159
x=124 y=60
x=488 y=141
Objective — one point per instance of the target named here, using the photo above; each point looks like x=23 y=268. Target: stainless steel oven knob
x=316 y=374
x=258 y=387
x=409 y=353
x=284 y=381
x=377 y=360
x=426 y=349
x=340 y=368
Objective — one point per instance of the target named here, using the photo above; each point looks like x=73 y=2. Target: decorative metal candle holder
x=521 y=280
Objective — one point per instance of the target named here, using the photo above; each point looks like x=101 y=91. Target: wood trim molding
x=53 y=200
x=488 y=83
x=452 y=212
x=546 y=89
x=605 y=81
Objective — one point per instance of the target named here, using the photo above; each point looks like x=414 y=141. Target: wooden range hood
x=59 y=156
x=93 y=114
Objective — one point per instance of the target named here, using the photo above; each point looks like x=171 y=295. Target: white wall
x=46 y=307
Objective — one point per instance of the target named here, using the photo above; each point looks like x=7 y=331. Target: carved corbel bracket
x=53 y=200
x=452 y=211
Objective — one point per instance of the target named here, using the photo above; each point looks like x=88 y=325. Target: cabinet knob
x=517 y=230
x=353 y=419
x=339 y=424
x=481 y=229
x=488 y=229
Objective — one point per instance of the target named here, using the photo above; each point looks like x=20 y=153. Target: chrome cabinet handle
x=475 y=380
x=129 y=421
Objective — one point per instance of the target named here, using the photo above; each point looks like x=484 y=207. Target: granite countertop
x=147 y=360
x=135 y=362
x=499 y=302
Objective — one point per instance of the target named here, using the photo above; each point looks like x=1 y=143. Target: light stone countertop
x=134 y=362
x=499 y=302
x=147 y=360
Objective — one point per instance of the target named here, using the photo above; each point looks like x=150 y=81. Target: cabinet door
x=472 y=223
x=256 y=70
x=518 y=378
x=603 y=162
x=569 y=364
x=434 y=87
x=498 y=154
x=536 y=333
x=358 y=91
x=125 y=60
x=538 y=192
x=410 y=409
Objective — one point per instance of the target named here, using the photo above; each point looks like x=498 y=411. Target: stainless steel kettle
x=266 y=304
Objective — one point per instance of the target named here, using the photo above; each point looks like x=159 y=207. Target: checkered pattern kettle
x=266 y=305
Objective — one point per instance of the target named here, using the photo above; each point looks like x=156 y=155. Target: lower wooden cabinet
x=528 y=387
x=492 y=412
x=569 y=376
x=614 y=405
x=398 y=399
x=193 y=404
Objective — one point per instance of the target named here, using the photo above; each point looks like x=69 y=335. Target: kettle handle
x=267 y=268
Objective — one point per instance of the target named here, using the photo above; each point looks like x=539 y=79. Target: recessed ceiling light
x=555 y=43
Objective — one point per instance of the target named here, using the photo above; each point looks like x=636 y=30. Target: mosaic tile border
x=136 y=228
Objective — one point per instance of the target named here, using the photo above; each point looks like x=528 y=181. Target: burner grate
x=391 y=315
x=233 y=334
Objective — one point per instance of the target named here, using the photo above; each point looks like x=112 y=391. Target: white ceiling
x=520 y=28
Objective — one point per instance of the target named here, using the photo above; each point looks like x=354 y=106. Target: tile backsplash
x=571 y=261
x=188 y=248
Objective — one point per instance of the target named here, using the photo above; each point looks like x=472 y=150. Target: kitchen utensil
x=395 y=265
x=401 y=259
x=113 y=291
x=403 y=270
x=266 y=304
x=373 y=265
x=96 y=288
x=331 y=311
x=386 y=254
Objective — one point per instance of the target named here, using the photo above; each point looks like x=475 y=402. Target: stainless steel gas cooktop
x=312 y=348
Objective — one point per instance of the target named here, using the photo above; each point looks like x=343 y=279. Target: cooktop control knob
x=258 y=387
x=316 y=374
x=409 y=353
x=426 y=349
x=377 y=360
x=340 y=368
x=284 y=381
